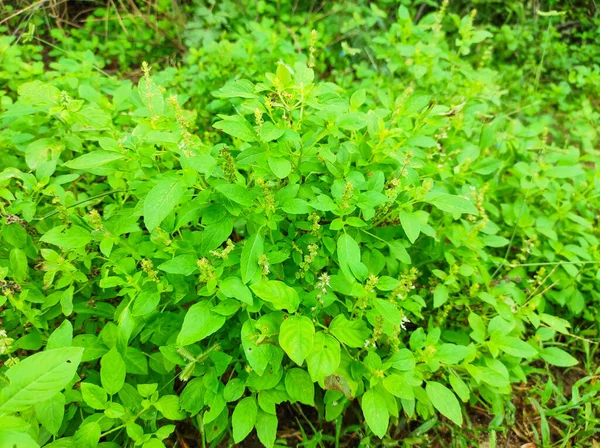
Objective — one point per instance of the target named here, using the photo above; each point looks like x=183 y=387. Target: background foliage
x=299 y=224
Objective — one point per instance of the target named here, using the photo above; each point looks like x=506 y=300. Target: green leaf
x=181 y=264
x=236 y=192
x=39 y=94
x=352 y=121
x=93 y=159
x=556 y=323
x=281 y=167
x=73 y=237
x=18 y=264
x=296 y=337
x=403 y=360
x=237 y=127
x=161 y=201
x=358 y=98
x=94 y=396
x=270 y=132
x=234 y=389
x=411 y=225
x=459 y=386
x=234 y=287
x=146 y=302
x=66 y=300
x=387 y=283
x=39 y=377
x=169 y=406
x=280 y=295
x=258 y=354
x=444 y=401
x=296 y=206
x=352 y=333
x=216 y=234
x=61 y=337
x=397 y=385
x=192 y=396
x=440 y=295
x=244 y=418
x=376 y=413
x=299 y=386
x=266 y=428
x=478 y=326
x=199 y=323
x=515 y=347
x=112 y=371
x=453 y=204
x=565 y=172
x=398 y=251
x=252 y=250
x=51 y=413
x=349 y=258
x=558 y=357
x=388 y=311
x=239 y=88
x=88 y=435
x=15 y=439
x=325 y=357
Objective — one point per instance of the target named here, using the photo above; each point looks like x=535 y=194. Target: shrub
x=399 y=242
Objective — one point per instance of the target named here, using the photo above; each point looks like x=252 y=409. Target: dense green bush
x=365 y=217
